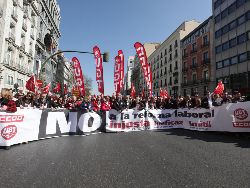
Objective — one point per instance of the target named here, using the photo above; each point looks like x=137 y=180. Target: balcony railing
x=195 y=82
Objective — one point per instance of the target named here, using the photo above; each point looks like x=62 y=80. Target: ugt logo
x=240 y=114
x=9 y=132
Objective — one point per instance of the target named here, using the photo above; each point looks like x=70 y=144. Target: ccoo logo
x=240 y=114
x=9 y=132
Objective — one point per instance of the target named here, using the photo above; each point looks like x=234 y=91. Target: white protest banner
x=232 y=117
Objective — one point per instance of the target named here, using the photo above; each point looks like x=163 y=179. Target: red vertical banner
x=117 y=74
x=78 y=75
x=99 y=69
x=141 y=52
x=121 y=55
x=132 y=94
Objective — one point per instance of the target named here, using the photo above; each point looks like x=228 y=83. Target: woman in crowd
x=7 y=103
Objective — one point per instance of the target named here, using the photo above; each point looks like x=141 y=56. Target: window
x=225 y=29
x=170 y=67
x=205 y=40
x=170 y=48
x=165 y=52
x=248 y=35
x=185 y=52
x=205 y=75
x=194 y=61
x=170 y=57
x=10 y=80
x=242 y=57
x=185 y=80
x=231 y=8
x=233 y=42
x=241 y=20
x=194 y=77
x=219 y=65
x=218 y=49
x=185 y=64
x=217 y=19
x=194 y=46
x=225 y=46
x=239 y=3
x=176 y=64
x=232 y=25
x=242 y=38
x=224 y=13
x=205 y=56
x=248 y=15
x=176 y=43
x=176 y=53
x=226 y=62
x=218 y=33
x=234 y=60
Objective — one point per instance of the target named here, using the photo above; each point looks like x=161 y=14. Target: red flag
x=132 y=94
x=219 y=89
x=165 y=94
x=31 y=84
x=57 y=88
x=78 y=75
x=117 y=75
x=46 y=89
x=141 y=52
x=99 y=69
x=120 y=54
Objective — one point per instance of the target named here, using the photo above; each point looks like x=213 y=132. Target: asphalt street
x=172 y=158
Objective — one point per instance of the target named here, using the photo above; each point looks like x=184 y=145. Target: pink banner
x=120 y=54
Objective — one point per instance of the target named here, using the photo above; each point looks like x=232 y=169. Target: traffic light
x=106 y=57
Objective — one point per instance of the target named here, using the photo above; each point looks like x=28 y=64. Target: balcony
x=205 y=62
x=184 y=69
x=175 y=73
x=206 y=44
x=14 y=16
x=194 y=50
x=194 y=66
x=24 y=27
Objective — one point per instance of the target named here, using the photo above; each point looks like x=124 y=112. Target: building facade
x=232 y=44
x=127 y=78
x=47 y=39
x=166 y=60
x=20 y=38
x=197 y=55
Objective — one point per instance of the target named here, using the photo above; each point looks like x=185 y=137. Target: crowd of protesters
x=10 y=100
